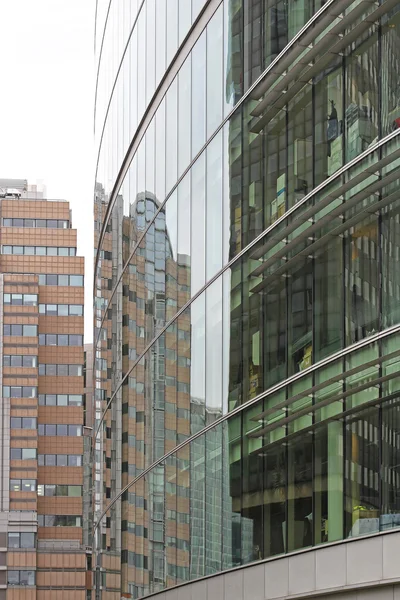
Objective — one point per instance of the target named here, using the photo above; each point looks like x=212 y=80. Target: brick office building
x=42 y=551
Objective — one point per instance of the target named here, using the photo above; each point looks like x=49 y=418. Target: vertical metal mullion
x=262 y=358
x=380 y=282
x=245 y=20
x=241 y=479
x=286 y=541
x=380 y=156
x=242 y=475
x=380 y=443
x=313 y=295
x=204 y=505
x=204 y=508
x=343 y=361
x=221 y=516
x=205 y=298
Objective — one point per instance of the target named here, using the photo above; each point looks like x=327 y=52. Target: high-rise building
x=42 y=361
x=246 y=298
x=88 y=451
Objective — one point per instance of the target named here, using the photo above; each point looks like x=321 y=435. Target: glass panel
x=198 y=119
x=74 y=309
x=30 y=330
x=161 y=55
x=361 y=476
x=361 y=99
x=62 y=460
x=184 y=104
x=62 y=340
x=215 y=79
x=28 y=453
x=172 y=29
x=214 y=207
x=49 y=490
x=62 y=310
x=12 y=577
x=62 y=400
x=64 y=280
x=62 y=490
x=13 y=540
x=30 y=299
x=27 y=540
x=76 y=280
x=184 y=248
x=171 y=134
x=50 y=460
x=52 y=279
x=214 y=348
x=198 y=233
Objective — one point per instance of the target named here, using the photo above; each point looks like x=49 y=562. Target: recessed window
x=59 y=521
x=20 y=330
x=42 y=223
x=22 y=578
x=22 y=485
x=51 y=489
x=60 y=460
x=23 y=453
x=61 y=339
x=61 y=280
x=39 y=250
x=18 y=360
x=60 y=430
x=61 y=310
x=24 y=391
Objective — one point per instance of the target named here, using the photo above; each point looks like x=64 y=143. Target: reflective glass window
x=198 y=119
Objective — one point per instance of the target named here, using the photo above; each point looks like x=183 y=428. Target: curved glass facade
x=247 y=287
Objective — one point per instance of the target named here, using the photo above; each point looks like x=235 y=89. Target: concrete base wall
x=360 y=569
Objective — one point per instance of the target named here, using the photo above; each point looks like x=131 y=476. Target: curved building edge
x=359 y=569
x=253 y=478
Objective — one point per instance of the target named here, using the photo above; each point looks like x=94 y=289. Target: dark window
x=51 y=280
x=62 y=460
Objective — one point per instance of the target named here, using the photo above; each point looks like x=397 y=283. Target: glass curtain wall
x=246 y=261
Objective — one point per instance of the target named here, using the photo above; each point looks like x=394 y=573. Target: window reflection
x=312 y=463
x=250 y=486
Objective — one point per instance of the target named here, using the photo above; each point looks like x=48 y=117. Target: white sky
x=46 y=107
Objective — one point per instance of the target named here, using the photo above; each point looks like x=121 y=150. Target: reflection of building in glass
x=247 y=289
x=153 y=409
